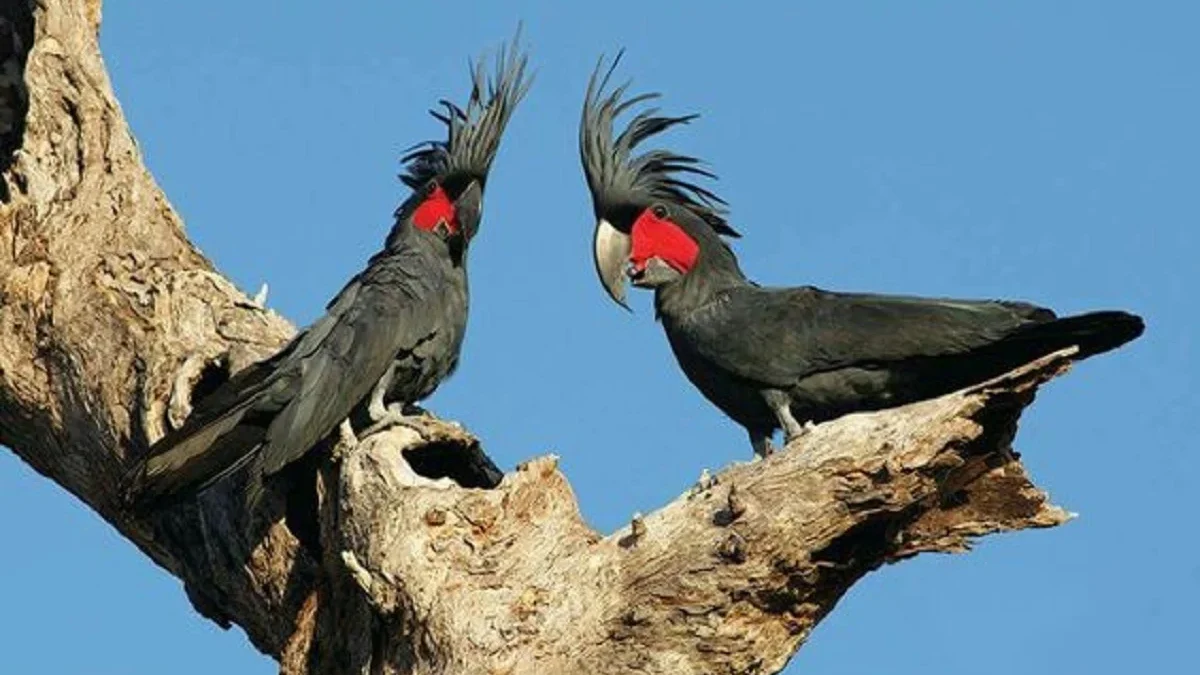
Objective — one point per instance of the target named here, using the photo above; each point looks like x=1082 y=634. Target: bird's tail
x=1094 y=332
x=192 y=458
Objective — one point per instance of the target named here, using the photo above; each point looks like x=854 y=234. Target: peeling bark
x=111 y=322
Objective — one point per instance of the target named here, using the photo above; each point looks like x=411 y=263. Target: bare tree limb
x=111 y=322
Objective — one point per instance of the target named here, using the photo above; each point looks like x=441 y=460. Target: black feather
x=767 y=356
x=1094 y=333
x=617 y=178
x=472 y=134
x=395 y=328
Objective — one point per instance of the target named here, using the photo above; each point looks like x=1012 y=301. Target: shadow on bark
x=16 y=38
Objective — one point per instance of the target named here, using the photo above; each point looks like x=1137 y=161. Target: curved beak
x=469 y=209
x=612 y=249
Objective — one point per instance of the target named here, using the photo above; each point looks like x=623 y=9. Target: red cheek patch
x=437 y=208
x=655 y=237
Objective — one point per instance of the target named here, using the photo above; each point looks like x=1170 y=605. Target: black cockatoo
x=388 y=339
x=774 y=358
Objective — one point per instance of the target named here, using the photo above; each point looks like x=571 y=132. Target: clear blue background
x=1035 y=150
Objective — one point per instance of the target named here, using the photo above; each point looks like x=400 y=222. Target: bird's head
x=653 y=225
x=448 y=176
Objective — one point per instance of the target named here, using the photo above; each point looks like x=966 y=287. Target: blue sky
x=1027 y=150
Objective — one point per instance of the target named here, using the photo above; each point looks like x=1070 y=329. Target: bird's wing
x=276 y=373
x=778 y=336
x=219 y=436
x=378 y=316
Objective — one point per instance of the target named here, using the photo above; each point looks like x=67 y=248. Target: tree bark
x=365 y=560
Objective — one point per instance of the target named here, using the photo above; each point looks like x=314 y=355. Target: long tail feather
x=186 y=465
x=1094 y=332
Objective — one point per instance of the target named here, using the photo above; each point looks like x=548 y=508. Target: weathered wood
x=110 y=320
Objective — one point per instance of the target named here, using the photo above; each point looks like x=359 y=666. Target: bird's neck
x=715 y=271
x=404 y=236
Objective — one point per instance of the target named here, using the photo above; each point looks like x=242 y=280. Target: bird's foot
x=414 y=410
x=796 y=432
x=781 y=404
x=395 y=415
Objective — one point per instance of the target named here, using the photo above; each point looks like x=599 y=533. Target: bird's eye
x=659 y=211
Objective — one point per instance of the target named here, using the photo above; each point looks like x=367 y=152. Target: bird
x=386 y=340
x=785 y=358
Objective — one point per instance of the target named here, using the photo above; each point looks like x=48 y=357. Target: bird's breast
x=737 y=398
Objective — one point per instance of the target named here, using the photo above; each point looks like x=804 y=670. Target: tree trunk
x=370 y=558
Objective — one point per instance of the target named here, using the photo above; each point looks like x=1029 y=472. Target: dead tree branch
x=111 y=322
